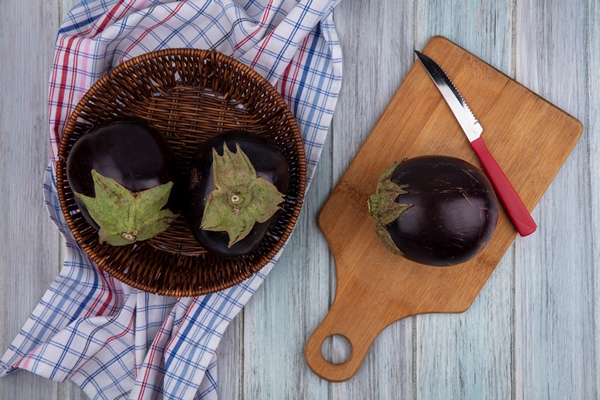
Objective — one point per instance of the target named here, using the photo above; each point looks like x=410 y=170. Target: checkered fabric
x=114 y=341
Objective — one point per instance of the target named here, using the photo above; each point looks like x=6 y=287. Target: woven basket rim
x=98 y=253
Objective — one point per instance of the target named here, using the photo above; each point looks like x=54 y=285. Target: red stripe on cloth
x=61 y=70
x=171 y=335
x=55 y=72
x=301 y=52
x=260 y=26
x=143 y=35
x=108 y=301
x=150 y=363
x=261 y=50
x=188 y=311
x=112 y=15
x=70 y=100
x=287 y=82
x=105 y=344
x=25 y=361
x=284 y=79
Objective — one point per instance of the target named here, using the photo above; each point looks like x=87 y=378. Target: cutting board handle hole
x=336 y=349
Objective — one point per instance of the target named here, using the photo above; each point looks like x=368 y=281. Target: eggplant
x=124 y=177
x=236 y=183
x=434 y=210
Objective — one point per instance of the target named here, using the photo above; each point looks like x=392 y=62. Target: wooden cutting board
x=530 y=139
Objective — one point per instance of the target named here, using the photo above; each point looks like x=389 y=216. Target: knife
x=513 y=205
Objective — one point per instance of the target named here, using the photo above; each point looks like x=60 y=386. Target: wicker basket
x=189 y=95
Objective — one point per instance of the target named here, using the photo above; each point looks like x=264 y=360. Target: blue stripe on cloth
x=305 y=73
x=78 y=25
x=170 y=357
x=215 y=317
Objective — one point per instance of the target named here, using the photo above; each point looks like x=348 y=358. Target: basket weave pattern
x=189 y=95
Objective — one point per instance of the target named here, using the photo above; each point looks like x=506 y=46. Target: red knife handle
x=514 y=207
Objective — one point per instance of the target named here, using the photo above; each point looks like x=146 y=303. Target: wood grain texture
x=593 y=151
x=29 y=243
x=230 y=357
x=555 y=285
x=534 y=330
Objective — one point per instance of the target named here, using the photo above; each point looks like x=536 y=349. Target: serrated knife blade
x=513 y=205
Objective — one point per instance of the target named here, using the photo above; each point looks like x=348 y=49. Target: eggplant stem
x=128 y=236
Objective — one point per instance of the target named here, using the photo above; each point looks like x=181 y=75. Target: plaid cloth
x=114 y=341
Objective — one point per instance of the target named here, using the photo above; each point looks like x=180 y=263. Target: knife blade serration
x=454 y=99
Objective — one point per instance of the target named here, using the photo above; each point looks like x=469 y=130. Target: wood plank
x=593 y=139
x=282 y=313
x=468 y=356
x=556 y=339
x=29 y=242
x=377 y=39
x=229 y=360
x=69 y=391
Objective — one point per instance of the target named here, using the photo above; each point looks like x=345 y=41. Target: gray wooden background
x=533 y=332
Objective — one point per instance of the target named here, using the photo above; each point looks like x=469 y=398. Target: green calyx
x=384 y=209
x=125 y=217
x=240 y=198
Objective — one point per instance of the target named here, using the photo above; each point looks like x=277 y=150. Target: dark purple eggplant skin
x=129 y=150
x=453 y=214
x=269 y=162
